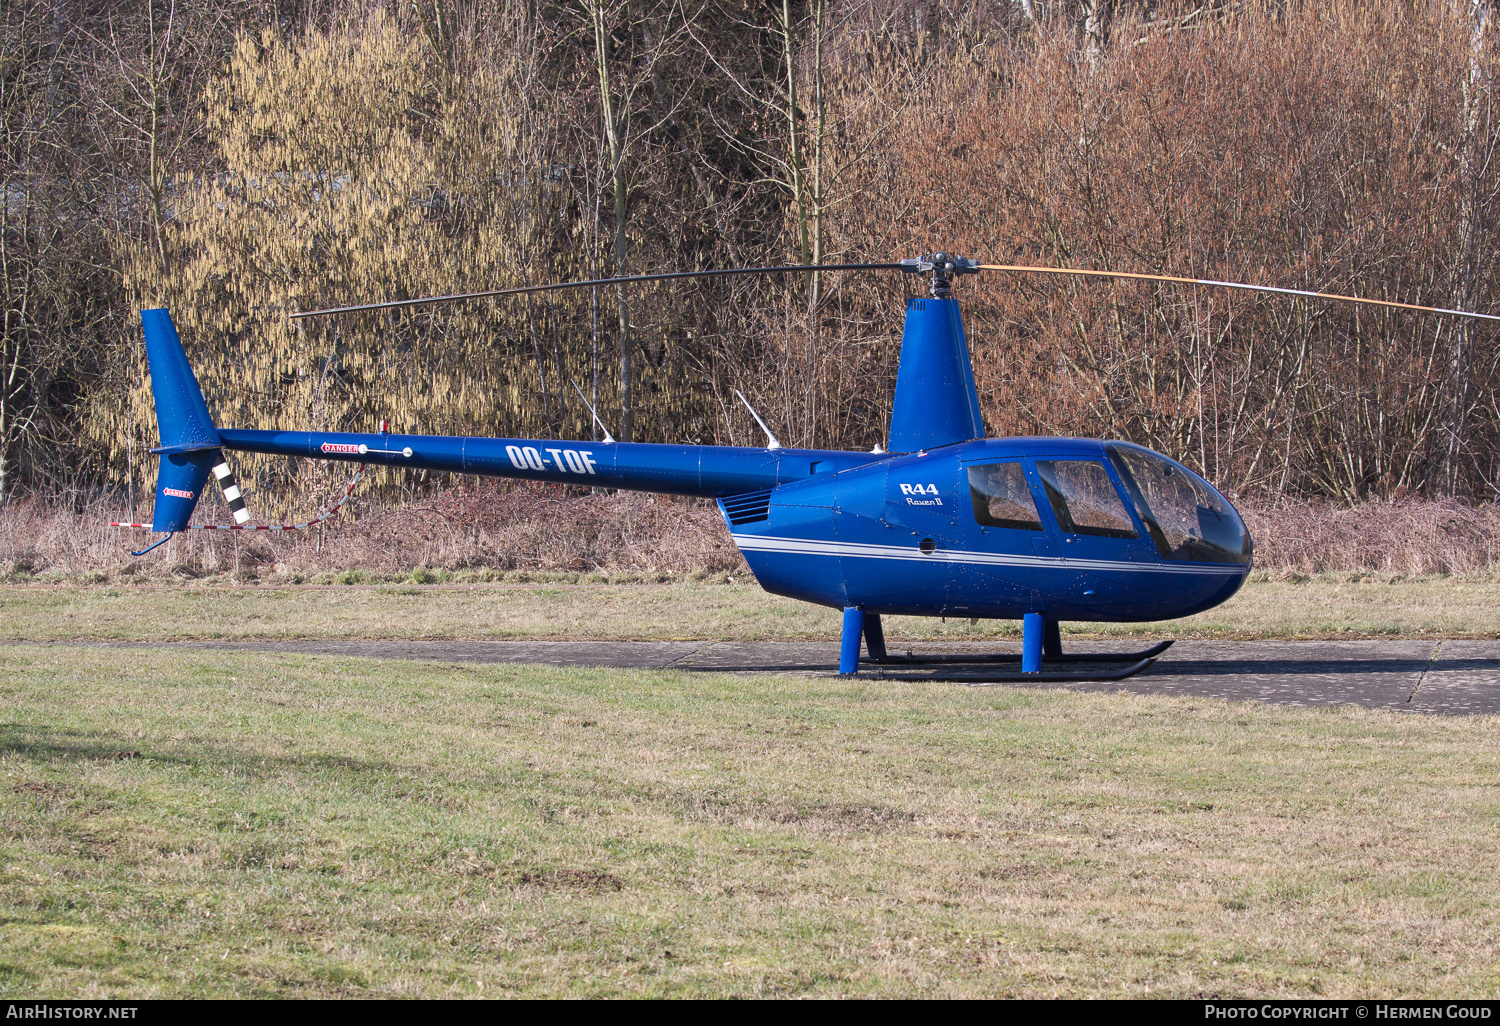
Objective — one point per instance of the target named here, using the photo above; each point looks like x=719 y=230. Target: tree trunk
x=815 y=284
x=1475 y=94
x=799 y=187
x=612 y=136
x=18 y=281
x=1095 y=31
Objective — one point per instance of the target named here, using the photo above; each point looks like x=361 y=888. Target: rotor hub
x=943 y=267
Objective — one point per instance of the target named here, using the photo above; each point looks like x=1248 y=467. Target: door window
x=1084 y=499
x=1001 y=497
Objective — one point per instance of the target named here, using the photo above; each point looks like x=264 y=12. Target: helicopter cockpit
x=1185 y=516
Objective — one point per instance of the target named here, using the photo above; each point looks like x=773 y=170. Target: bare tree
x=631 y=42
x=1476 y=193
x=54 y=281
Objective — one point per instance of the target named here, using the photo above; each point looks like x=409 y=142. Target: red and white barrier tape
x=331 y=511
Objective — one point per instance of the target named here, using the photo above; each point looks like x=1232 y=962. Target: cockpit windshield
x=1186 y=518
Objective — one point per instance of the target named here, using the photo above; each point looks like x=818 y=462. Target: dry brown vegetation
x=480 y=532
x=1408 y=537
x=1318 y=146
x=485 y=530
x=212 y=157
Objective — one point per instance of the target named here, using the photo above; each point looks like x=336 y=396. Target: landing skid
x=1017 y=677
x=923 y=659
x=977 y=675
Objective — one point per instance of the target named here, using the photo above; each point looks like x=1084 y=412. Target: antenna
x=771 y=442
x=609 y=439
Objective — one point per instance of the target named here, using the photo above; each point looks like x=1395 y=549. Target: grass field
x=324 y=826
x=197 y=823
x=1327 y=606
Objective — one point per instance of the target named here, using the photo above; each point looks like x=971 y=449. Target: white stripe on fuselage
x=802 y=546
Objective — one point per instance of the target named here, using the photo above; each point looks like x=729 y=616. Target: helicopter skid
x=1017 y=677
x=913 y=659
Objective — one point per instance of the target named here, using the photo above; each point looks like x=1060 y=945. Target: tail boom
x=192 y=447
x=709 y=471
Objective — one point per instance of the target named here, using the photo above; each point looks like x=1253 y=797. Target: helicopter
x=942 y=522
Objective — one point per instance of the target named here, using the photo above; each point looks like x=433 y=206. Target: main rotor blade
x=1018 y=268
x=598 y=281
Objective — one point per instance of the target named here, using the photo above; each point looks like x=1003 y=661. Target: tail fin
x=189 y=441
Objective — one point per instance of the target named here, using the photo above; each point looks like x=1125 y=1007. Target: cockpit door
x=1093 y=529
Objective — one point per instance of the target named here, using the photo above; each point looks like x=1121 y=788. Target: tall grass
x=482 y=531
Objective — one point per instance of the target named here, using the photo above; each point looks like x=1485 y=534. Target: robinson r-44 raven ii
x=945 y=522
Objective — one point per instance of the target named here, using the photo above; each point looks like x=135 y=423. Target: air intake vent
x=750 y=508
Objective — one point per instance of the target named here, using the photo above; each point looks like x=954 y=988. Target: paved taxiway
x=1433 y=677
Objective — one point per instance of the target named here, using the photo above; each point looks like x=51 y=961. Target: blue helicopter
x=944 y=523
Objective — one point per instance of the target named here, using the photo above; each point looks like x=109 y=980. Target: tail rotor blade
x=232 y=494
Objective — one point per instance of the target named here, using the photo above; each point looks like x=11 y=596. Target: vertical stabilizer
x=936 y=403
x=189 y=441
